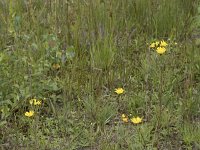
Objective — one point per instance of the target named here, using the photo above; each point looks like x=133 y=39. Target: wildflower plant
x=160 y=47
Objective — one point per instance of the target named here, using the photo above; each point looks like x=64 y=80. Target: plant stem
x=160 y=93
x=160 y=102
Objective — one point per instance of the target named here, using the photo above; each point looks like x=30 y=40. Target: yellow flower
x=35 y=102
x=123 y=116
x=157 y=43
x=32 y=101
x=163 y=43
x=136 y=120
x=161 y=50
x=152 y=45
x=29 y=113
x=119 y=90
x=175 y=43
x=56 y=66
x=125 y=119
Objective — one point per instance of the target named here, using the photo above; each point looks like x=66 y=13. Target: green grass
x=100 y=46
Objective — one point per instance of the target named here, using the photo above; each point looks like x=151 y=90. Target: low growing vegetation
x=100 y=74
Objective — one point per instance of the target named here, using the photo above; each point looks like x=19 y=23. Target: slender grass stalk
x=148 y=94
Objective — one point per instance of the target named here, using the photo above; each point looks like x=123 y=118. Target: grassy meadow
x=100 y=74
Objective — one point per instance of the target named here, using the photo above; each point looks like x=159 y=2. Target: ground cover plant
x=100 y=75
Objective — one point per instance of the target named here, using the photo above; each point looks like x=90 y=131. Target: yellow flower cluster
x=34 y=102
x=119 y=91
x=159 y=46
x=134 y=120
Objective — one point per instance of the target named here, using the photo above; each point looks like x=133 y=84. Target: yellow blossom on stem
x=136 y=120
x=35 y=102
x=124 y=118
x=163 y=43
x=161 y=50
x=29 y=113
x=157 y=43
x=119 y=90
x=32 y=101
x=38 y=102
x=152 y=45
x=56 y=66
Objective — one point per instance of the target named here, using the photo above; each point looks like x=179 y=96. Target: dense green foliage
x=73 y=54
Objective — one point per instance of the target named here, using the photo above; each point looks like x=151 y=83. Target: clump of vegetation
x=96 y=74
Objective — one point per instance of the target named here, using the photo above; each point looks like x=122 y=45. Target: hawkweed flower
x=136 y=120
x=163 y=43
x=35 y=102
x=32 y=101
x=56 y=66
x=38 y=102
x=29 y=113
x=119 y=91
x=153 y=45
x=161 y=50
x=157 y=43
x=124 y=118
